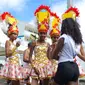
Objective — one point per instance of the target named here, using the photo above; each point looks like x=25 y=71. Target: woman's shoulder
x=66 y=37
x=63 y=36
x=8 y=42
x=27 y=50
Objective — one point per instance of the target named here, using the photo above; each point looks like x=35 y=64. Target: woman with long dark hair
x=68 y=72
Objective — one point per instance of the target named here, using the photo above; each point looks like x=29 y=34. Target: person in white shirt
x=68 y=71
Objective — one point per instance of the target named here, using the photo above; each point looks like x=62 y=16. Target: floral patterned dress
x=12 y=69
x=41 y=62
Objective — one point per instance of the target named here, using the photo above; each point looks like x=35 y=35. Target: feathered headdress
x=4 y=14
x=42 y=14
x=55 y=24
x=72 y=12
x=13 y=29
x=9 y=18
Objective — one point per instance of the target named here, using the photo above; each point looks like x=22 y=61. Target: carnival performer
x=54 y=34
x=68 y=71
x=12 y=69
x=27 y=66
x=41 y=63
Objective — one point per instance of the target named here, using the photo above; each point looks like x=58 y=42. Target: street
x=3 y=82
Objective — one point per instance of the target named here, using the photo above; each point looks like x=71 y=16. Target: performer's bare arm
x=58 y=48
x=26 y=56
x=8 y=51
x=81 y=55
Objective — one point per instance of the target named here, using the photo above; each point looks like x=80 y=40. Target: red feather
x=42 y=7
x=73 y=9
x=55 y=15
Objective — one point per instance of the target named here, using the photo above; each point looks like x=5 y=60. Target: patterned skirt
x=81 y=69
x=42 y=72
x=11 y=71
x=26 y=70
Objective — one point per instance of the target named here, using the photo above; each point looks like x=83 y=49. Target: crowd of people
x=46 y=64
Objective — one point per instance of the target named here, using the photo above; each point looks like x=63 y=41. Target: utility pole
x=69 y=3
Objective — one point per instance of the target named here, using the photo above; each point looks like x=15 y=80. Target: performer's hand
x=54 y=44
x=18 y=44
x=36 y=71
x=30 y=60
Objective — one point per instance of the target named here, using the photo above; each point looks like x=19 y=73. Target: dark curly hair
x=71 y=27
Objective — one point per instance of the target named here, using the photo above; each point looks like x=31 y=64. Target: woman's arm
x=58 y=48
x=8 y=51
x=33 y=44
x=51 y=48
x=81 y=55
x=49 y=51
x=26 y=56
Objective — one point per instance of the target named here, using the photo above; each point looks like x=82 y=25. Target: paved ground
x=3 y=82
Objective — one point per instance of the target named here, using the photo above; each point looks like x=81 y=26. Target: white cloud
x=16 y=5
x=33 y=22
x=60 y=9
x=81 y=7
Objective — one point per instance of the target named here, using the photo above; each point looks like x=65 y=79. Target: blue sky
x=24 y=9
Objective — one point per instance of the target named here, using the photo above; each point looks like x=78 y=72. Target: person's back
x=65 y=51
x=68 y=52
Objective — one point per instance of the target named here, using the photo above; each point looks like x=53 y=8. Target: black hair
x=29 y=44
x=71 y=27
